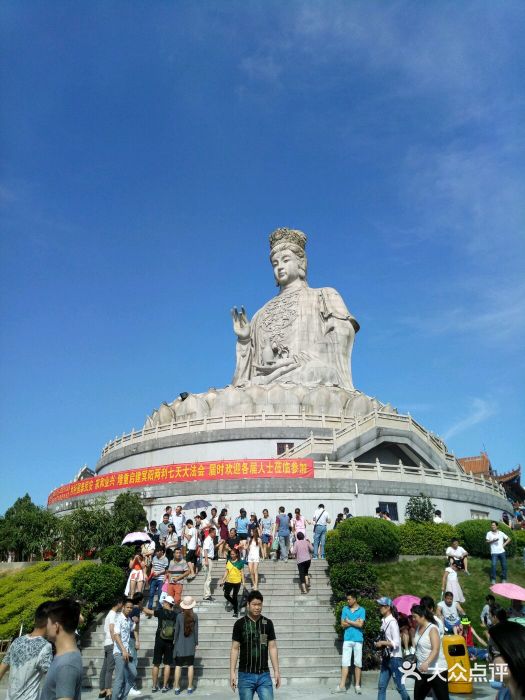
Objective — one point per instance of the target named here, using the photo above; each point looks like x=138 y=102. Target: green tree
x=128 y=515
x=28 y=529
x=87 y=529
x=420 y=509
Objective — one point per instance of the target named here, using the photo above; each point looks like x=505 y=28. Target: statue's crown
x=285 y=236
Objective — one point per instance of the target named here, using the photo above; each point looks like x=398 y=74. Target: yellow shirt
x=234 y=571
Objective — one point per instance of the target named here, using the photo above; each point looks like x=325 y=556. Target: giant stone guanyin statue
x=292 y=357
x=302 y=335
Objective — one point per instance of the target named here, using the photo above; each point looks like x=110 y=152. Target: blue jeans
x=251 y=683
x=125 y=674
x=284 y=544
x=503 y=561
x=319 y=539
x=390 y=668
x=155 y=586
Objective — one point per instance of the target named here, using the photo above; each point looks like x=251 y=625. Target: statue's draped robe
x=312 y=327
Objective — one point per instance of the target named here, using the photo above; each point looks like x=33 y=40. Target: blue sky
x=148 y=149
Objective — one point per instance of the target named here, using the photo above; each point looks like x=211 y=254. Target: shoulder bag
x=412 y=658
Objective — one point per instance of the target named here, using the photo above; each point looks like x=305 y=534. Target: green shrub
x=425 y=538
x=381 y=536
x=472 y=536
x=340 y=548
x=518 y=537
x=370 y=630
x=98 y=584
x=22 y=592
x=357 y=576
x=117 y=555
x=420 y=509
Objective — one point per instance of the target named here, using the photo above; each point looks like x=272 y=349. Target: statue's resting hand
x=241 y=325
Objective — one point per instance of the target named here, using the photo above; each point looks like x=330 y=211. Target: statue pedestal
x=275 y=398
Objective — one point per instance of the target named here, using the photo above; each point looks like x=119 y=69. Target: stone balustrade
x=403 y=473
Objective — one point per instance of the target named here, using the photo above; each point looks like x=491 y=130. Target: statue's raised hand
x=241 y=325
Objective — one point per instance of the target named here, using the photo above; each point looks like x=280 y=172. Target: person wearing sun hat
x=186 y=641
x=389 y=644
x=469 y=634
x=163 y=648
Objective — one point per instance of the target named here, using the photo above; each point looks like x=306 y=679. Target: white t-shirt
x=208 y=546
x=496 y=547
x=191 y=533
x=110 y=620
x=458 y=553
x=29 y=659
x=437 y=519
x=321 y=517
x=450 y=612
x=178 y=523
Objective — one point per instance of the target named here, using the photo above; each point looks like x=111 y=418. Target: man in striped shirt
x=159 y=565
x=253 y=640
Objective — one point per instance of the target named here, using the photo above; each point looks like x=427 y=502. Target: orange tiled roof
x=477 y=465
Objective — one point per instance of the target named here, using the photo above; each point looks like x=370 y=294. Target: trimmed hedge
x=98 y=584
x=22 y=592
x=381 y=536
x=426 y=538
x=357 y=576
x=341 y=549
x=117 y=555
x=472 y=534
x=518 y=537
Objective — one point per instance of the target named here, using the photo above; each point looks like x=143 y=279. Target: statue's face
x=286 y=267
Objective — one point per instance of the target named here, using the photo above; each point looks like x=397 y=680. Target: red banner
x=194 y=471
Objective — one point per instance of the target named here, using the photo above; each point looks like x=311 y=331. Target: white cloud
x=495 y=313
x=471 y=195
x=462 y=58
x=479 y=411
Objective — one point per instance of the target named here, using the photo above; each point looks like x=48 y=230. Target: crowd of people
x=414 y=641
x=411 y=646
x=181 y=547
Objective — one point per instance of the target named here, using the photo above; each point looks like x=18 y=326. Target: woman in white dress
x=450 y=581
x=254 y=556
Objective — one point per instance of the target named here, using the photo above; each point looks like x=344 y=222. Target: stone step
x=301 y=622
x=219 y=678
x=222 y=635
x=286 y=652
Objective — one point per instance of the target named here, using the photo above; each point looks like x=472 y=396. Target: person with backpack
x=164 y=642
x=186 y=642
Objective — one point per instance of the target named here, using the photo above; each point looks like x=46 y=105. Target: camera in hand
x=384 y=651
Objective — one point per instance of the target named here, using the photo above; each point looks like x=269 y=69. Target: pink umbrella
x=404 y=603
x=509 y=590
x=136 y=538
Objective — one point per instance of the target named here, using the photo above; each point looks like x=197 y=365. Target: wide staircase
x=304 y=624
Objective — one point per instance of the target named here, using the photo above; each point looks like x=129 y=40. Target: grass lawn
x=423 y=577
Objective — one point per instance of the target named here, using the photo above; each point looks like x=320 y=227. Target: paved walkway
x=482 y=691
